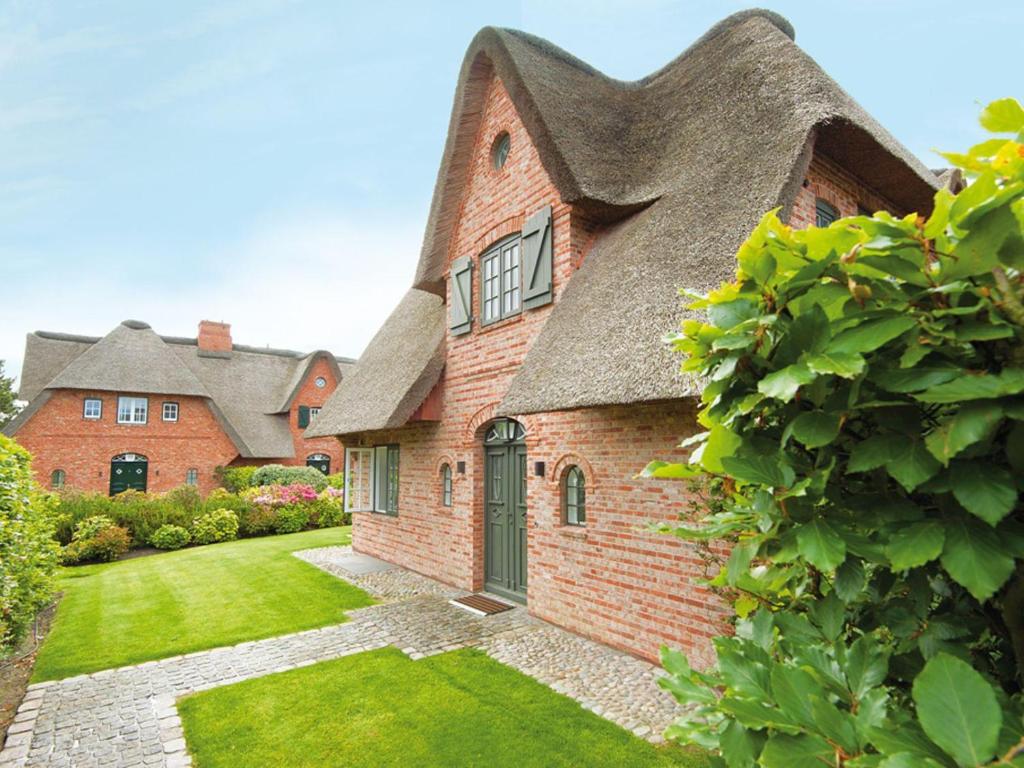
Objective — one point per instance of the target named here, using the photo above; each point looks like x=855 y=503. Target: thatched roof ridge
x=614 y=147
x=400 y=366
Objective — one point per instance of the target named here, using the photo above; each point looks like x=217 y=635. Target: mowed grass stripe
x=379 y=709
x=163 y=605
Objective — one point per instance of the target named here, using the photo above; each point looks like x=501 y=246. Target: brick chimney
x=214 y=337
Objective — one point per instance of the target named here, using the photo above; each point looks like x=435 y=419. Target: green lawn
x=381 y=709
x=177 y=602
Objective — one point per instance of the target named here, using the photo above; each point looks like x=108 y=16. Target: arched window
x=192 y=477
x=824 y=213
x=574 y=496
x=57 y=479
x=446 y=485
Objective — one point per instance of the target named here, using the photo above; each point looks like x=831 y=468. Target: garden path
x=128 y=716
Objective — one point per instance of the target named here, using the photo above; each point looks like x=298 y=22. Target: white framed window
x=170 y=412
x=192 y=477
x=501 y=284
x=93 y=408
x=371 y=479
x=132 y=410
x=313 y=412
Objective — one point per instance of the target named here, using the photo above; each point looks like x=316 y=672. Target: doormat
x=480 y=605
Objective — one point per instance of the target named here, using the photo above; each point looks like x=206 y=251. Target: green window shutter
x=537 y=258
x=303 y=416
x=461 y=309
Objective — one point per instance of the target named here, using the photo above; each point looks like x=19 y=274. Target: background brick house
x=139 y=410
x=495 y=426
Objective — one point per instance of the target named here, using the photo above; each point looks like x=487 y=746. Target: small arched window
x=446 y=485
x=824 y=213
x=574 y=495
x=499 y=150
x=57 y=479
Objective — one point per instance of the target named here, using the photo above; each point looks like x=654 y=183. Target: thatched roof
x=402 y=363
x=249 y=389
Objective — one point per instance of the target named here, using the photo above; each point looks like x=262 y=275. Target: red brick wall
x=838 y=187
x=59 y=437
x=311 y=395
x=613 y=579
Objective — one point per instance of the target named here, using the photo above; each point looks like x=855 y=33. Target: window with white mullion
x=491 y=289
x=510 y=279
x=132 y=410
x=358 y=479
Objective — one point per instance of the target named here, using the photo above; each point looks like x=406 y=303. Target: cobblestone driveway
x=127 y=716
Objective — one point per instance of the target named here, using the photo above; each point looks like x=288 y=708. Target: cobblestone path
x=127 y=716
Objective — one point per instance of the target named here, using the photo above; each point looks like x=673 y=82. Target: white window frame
x=379 y=480
x=135 y=415
x=314 y=411
x=173 y=405
x=99 y=409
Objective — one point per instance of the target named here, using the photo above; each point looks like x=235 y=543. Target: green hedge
x=28 y=553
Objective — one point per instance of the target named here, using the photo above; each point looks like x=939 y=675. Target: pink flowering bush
x=275 y=496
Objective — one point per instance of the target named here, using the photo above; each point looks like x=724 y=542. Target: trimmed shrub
x=235 y=479
x=96 y=538
x=170 y=537
x=278 y=474
x=28 y=554
x=291 y=519
x=337 y=480
x=256 y=521
x=218 y=525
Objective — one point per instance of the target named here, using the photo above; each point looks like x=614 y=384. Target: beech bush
x=864 y=417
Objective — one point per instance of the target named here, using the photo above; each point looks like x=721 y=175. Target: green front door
x=505 y=543
x=128 y=471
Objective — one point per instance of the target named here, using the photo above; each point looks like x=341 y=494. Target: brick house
x=495 y=426
x=134 y=409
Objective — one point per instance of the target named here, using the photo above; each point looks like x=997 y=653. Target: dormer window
x=500 y=149
x=824 y=213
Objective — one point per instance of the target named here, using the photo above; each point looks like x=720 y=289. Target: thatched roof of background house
x=402 y=363
x=678 y=166
x=248 y=390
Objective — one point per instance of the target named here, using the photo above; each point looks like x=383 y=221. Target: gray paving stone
x=128 y=716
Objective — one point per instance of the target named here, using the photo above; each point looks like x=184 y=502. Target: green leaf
x=836 y=724
x=819 y=543
x=783 y=751
x=915 y=544
x=721 y=442
x=985 y=386
x=829 y=615
x=984 y=490
x=739 y=746
x=913 y=466
x=876 y=451
x=914 y=379
x=850 y=579
x=867 y=664
x=908 y=760
x=768 y=470
x=783 y=384
x=958 y=710
x=1003 y=116
x=974 y=422
x=815 y=428
x=974 y=556
x=845 y=364
x=871 y=335
x=666 y=471
x=792 y=689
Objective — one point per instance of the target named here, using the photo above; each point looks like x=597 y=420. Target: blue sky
x=270 y=163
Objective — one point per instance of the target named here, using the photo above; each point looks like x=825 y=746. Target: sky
x=270 y=163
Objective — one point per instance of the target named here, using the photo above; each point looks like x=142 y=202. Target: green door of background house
x=505 y=510
x=128 y=470
x=319 y=461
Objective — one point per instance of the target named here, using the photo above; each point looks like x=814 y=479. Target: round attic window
x=500 y=150
x=320 y=382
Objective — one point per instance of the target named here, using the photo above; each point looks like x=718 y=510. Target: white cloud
x=319 y=280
